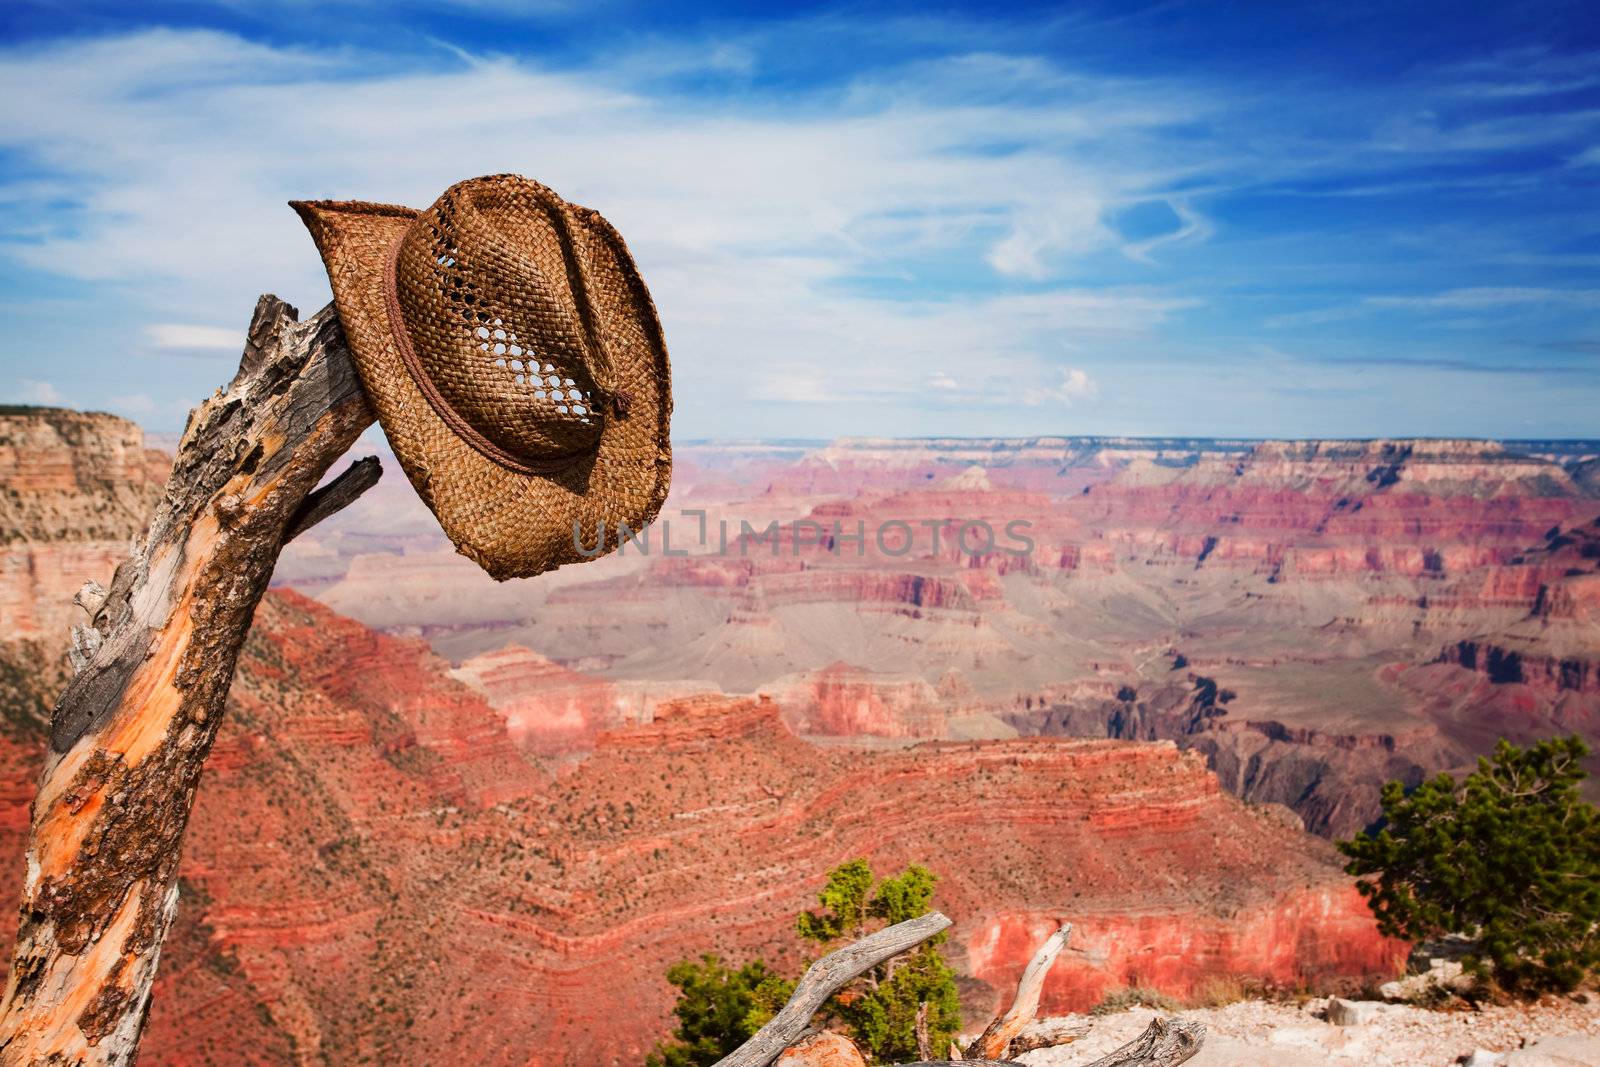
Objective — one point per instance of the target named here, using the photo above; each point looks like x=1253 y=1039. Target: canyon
x=402 y=855
x=1315 y=618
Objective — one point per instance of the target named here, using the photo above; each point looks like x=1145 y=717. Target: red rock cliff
x=372 y=869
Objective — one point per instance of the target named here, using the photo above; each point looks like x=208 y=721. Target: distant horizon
x=1175 y=438
x=1258 y=222
x=815 y=442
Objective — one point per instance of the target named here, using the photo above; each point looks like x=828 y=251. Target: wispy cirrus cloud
x=1491 y=297
x=172 y=160
x=845 y=219
x=1527 y=71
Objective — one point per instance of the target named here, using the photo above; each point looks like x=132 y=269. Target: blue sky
x=1342 y=219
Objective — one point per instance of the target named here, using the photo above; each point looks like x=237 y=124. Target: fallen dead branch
x=823 y=979
x=131 y=733
x=1164 y=1043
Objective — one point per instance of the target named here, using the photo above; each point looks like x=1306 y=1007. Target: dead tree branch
x=995 y=1042
x=130 y=734
x=337 y=495
x=825 y=978
x=1164 y=1043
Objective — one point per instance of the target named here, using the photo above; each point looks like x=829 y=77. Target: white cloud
x=750 y=224
x=1071 y=224
x=188 y=336
x=1491 y=297
x=1474 y=298
x=1525 y=71
x=185 y=145
x=132 y=404
x=756 y=215
x=33 y=391
x=795 y=389
x=1075 y=384
x=1192 y=226
x=1312 y=317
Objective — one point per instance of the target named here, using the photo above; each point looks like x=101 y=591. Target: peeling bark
x=130 y=734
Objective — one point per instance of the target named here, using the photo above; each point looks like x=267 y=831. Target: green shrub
x=880 y=1009
x=718 y=1009
x=1509 y=857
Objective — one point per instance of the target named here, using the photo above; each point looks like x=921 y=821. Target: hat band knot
x=620 y=402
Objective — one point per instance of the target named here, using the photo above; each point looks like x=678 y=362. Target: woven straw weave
x=516 y=363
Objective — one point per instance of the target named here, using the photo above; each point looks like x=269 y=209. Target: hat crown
x=491 y=285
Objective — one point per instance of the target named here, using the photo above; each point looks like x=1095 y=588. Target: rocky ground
x=1253 y=1033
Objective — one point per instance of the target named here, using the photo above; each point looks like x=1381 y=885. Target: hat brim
x=511 y=524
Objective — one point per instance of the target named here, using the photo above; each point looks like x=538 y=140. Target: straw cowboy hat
x=515 y=361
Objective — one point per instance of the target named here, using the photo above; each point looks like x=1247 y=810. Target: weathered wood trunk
x=132 y=731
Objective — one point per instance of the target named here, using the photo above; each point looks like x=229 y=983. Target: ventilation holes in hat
x=545 y=383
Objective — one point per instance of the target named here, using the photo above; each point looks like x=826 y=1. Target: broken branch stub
x=1047 y=1033
x=995 y=1042
x=131 y=732
x=334 y=497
